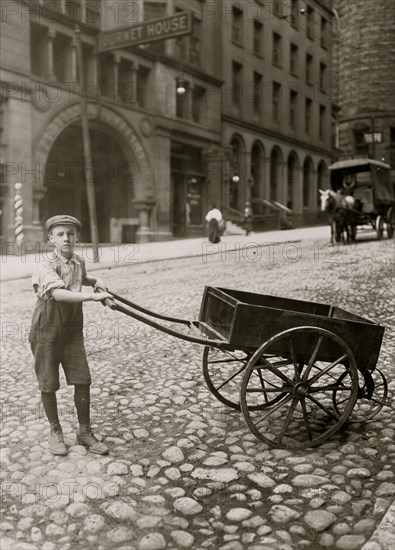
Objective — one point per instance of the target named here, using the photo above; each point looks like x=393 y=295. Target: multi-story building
x=364 y=73
x=238 y=108
x=277 y=102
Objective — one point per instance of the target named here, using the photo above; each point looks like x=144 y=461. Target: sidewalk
x=120 y=255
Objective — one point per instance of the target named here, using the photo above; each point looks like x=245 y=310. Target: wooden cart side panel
x=266 y=300
x=255 y=325
x=339 y=313
x=218 y=311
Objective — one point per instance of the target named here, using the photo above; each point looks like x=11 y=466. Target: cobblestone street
x=184 y=470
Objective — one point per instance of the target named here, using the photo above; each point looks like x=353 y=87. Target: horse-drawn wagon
x=297 y=370
x=361 y=194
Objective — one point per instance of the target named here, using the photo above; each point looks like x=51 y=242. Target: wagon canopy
x=364 y=173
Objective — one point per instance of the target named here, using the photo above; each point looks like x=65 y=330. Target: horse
x=339 y=208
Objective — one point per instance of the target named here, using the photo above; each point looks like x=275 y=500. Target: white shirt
x=214 y=214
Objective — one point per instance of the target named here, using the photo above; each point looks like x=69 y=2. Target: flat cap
x=62 y=219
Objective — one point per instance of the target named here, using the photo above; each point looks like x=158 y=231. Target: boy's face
x=64 y=238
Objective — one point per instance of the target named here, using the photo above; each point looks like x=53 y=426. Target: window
x=61 y=57
x=293 y=99
x=322 y=76
x=37 y=49
x=237 y=25
x=307 y=115
x=310 y=22
x=73 y=11
x=2 y=124
x=324 y=33
x=258 y=38
x=106 y=76
x=293 y=59
x=188 y=47
x=257 y=102
x=392 y=145
x=198 y=100
x=294 y=17
x=277 y=5
x=142 y=85
x=277 y=47
x=276 y=102
x=309 y=68
x=236 y=82
x=152 y=10
x=322 y=121
x=126 y=90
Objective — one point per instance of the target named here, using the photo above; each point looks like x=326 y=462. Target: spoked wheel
x=372 y=396
x=380 y=227
x=300 y=368
x=223 y=371
x=391 y=222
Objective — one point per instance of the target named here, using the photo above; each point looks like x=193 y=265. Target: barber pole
x=18 y=208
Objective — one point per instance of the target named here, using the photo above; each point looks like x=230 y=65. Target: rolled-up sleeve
x=45 y=280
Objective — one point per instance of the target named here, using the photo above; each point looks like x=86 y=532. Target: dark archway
x=276 y=165
x=64 y=181
x=257 y=170
x=235 y=184
x=292 y=181
x=308 y=183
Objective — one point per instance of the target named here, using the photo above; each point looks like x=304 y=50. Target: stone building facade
x=364 y=78
x=253 y=121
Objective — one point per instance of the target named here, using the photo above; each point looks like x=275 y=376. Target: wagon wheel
x=302 y=413
x=223 y=371
x=390 y=222
x=380 y=227
x=372 y=396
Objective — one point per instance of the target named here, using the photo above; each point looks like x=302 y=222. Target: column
x=50 y=66
x=134 y=81
x=117 y=60
x=73 y=61
x=144 y=208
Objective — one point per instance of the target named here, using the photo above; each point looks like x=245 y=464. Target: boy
x=57 y=330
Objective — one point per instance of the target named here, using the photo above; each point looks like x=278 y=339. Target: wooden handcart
x=297 y=370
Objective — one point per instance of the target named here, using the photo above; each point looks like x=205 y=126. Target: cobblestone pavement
x=184 y=470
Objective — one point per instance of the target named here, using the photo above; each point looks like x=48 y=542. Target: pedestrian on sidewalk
x=214 y=218
x=247 y=219
x=56 y=335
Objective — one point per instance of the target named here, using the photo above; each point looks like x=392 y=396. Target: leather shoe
x=88 y=440
x=56 y=441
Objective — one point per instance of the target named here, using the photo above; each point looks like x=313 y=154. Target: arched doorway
x=276 y=162
x=257 y=175
x=235 y=185
x=308 y=183
x=64 y=182
x=292 y=181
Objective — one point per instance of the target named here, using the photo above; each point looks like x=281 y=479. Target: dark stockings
x=50 y=407
x=82 y=403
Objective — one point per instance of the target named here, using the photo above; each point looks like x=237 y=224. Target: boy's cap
x=63 y=219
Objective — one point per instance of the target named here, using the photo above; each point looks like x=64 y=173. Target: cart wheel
x=372 y=396
x=390 y=223
x=300 y=368
x=380 y=226
x=223 y=371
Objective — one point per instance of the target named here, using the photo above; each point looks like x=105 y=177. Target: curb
x=383 y=537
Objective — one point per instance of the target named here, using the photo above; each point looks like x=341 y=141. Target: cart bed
x=246 y=320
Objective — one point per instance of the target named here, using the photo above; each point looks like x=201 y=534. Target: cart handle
x=149 y=312
x=205 y=341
